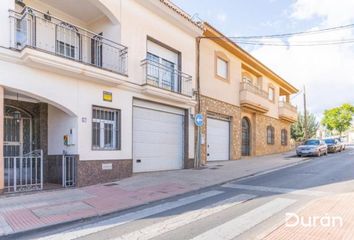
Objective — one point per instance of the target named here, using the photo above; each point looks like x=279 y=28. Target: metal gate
x=24 y=173
x=246 y=141
x=69 y=170
x=17 y=132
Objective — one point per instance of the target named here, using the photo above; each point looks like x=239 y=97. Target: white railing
x=24 y=173
x=164 y=77
x=41 y=31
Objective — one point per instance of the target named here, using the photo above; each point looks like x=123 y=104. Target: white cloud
x=327 y=71
x=334 y=12
x=221 y=17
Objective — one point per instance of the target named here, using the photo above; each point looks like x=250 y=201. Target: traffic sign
x=199 y=120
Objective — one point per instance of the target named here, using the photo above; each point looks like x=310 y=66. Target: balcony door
x=163 y=65
x=97 y=50
x=68 y=41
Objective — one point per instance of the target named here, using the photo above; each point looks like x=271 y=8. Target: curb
x=51 y=227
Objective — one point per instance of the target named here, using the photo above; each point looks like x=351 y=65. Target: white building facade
x=94 y=90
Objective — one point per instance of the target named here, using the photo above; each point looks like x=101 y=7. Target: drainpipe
x=198 y=73
x=198 y=142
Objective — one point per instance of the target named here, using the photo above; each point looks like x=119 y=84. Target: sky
x=327 y=72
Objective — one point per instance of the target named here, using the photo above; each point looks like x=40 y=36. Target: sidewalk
x=20 y=212
x=326 y=227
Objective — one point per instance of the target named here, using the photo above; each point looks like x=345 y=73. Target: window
x=167 y=74
x=21 y=32
x=153 y=68
x=271 y=94
x=270 y=135
x=67 y=40
x=65 y=49
x=161 y=71
x=222 y=68
x=284 y=137
x=105 y=129
x=97 y=50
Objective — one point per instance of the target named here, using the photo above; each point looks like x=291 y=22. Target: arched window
x=270 y=135
x=284 y=137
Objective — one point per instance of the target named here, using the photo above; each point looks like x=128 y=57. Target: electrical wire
x=263 y=40
x=297 y=33
x=298 y=44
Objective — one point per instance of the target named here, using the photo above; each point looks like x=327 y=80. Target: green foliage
x=298 y=129
x=339 y=118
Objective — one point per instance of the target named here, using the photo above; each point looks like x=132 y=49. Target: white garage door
x=218 y=140
x=157 y=137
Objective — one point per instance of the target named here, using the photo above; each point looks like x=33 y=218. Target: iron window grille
x=106 y=129
x=284 y=137
x=270 y=135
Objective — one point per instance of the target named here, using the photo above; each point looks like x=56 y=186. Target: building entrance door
x=246 y=140
x=17 y=132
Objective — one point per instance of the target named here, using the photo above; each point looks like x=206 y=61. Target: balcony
x=287 y=112
x=159 y=76
x=253 y=98
x=33 y=29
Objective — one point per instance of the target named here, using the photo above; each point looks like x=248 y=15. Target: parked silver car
x=312 y=147
x=333 y=146
x=342 y=143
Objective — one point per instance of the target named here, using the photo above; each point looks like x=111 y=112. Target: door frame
x=249 y=144
x=220 y=118
x=21 y=130
x=164 y=108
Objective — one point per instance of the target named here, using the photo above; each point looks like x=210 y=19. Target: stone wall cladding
x=90 y=172
x=214 y=106
x=261 y=147
x=54 y=170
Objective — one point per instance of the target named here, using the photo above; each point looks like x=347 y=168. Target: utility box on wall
x=69 y=139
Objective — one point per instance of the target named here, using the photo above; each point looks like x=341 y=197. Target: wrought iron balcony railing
x=44 y=32
x=165 y=77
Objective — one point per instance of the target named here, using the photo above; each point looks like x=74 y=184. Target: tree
x=339 y=118
x=298 y=128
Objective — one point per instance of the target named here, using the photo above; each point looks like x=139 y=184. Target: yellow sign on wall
x=107 y=96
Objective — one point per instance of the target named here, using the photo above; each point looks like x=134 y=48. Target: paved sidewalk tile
x=320 y=220
x=35 y=210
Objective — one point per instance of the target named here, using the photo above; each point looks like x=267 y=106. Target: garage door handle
x=138 y=160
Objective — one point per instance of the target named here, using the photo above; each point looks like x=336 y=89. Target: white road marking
x=184 y=219
x=277 y=190
x=129 y=217
x=4 y=227
x=239 y=225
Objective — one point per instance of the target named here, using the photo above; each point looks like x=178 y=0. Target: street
x=246 y=209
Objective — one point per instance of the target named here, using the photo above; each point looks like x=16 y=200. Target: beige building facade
x=247 y=104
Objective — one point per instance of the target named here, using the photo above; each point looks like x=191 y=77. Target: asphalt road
x=245 y=209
